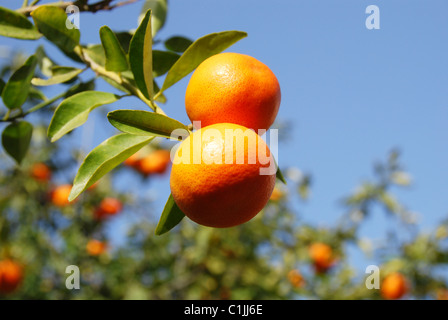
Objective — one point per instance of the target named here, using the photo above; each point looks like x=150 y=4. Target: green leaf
x=17 y=88
x=171 y=216
x=145 y=123
x=280 y=176
x=159 y=9
x=2 y=86
x=16 y=25
x=177 y=43
x=74 y=111
x=200 y=50
x=105 y=157
x=16 y=139
x=115 y=56
x=63 y=74
x=96 y=53
x=51 y=22
x=140 y=56
x=44 y=63
x=162 y=61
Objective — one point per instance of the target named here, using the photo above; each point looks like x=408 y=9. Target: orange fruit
x=155 y=163
x=41 y=172
x=11 y=275
x=108 y=207
x=442 y=294
x=95 y=247
x=277 y=194
x=394 y=286
x=322 y=256
x=132 y=161
x=233 y=88
x=59 y=195
x=216 y=175
x=296 y=278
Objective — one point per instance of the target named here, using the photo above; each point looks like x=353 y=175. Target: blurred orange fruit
x=442 y=294
x=277 y=194
x=394 y=286
x=95 y=247
x=233 y=88
x=41 y=172
x=322 y=256
x=59 y=195
x=132 y=161
x=11 y=275
x=296 y=278
x=217 y=182
x=156 y=162
x=108 y=207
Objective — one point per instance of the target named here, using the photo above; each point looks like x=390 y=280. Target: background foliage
x=252 y=261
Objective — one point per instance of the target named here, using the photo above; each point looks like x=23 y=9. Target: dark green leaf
x=146 y=123
x=171 y=216
x=16 y=139
x=2 y=85
x=159 y=9
x=162 y=61
x=200 y=50
x=140 y=56
x=80 y=87
x=105 y=157
x=124 y=37
x=74 y=111
x=178 y=44
x=115 y=56
x=16 y=25
x=16 y=89
x=51 y=22
x=280 y=176
x=61 y=74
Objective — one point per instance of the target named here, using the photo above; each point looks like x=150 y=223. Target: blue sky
x=350 y=94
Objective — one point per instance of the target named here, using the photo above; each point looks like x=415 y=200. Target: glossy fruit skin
x=221 y=194
x=59 y=195
x=233 y=88
x=156 y=162
x=11 y=275
x=41 y=172
x=394 y=286
x=322 y=256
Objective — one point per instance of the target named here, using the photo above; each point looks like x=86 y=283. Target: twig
x=94 y=7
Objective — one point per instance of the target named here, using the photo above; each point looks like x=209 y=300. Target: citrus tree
x=55 y=213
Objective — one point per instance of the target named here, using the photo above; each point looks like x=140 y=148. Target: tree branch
x=83 y=7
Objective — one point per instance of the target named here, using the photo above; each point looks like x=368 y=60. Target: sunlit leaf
x=197 y=52
x=16 y=25
x=63 y=75
x=115 y=56
x=145 y=123
x=74 y=111
x=171 y=216
x=51 y=22
x=105 y=157
x=140 y=56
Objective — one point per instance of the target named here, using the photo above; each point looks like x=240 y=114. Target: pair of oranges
x=217 y=176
